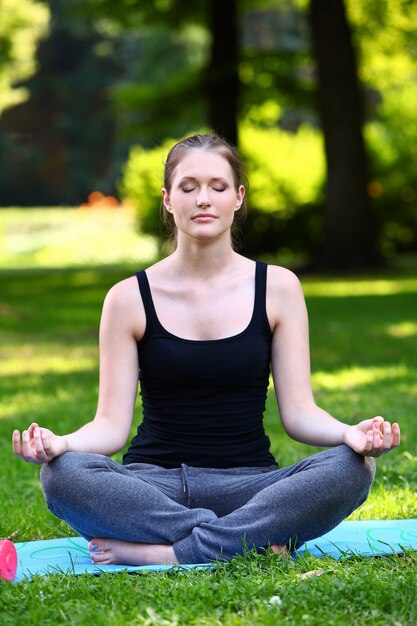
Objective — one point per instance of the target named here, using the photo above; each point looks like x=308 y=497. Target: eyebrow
x=215 y=179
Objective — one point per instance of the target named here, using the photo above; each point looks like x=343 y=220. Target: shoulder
x=123 y=306
x=282 y=281
x=284 y=295
x=122 y=294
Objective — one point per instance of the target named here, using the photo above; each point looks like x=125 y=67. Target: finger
x=27 y=450
x=369 y=441
x=379 y=419
x=396 y=435
x=17 y=444
x=39 y=447
x=377 y=436
x=46 y=441
x=32 y=428
x=387 y=438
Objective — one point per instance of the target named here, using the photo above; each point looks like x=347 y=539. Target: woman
x=202 y=327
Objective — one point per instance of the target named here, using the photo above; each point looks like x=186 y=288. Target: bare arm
x=122 y=323
x=302 y=419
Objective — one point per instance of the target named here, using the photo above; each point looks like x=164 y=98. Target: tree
x=216 y=82
x=350 y=227
x=222 y=84
x=59 y=140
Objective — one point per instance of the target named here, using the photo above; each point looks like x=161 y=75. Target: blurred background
x=320 y=96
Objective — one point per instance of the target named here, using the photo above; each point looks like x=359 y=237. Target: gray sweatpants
x=207 y=513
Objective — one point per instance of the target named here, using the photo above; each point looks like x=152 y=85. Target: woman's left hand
x=373 y=437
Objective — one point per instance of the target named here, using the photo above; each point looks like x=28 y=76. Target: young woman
x=202 y=328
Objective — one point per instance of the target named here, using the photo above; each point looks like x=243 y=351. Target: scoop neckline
x=221 y=339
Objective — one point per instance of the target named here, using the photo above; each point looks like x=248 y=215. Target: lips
x=204 y=216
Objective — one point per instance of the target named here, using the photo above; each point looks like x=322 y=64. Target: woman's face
x=203 y=198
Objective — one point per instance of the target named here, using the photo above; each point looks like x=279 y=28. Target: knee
x=358 y=471
x=58 y=475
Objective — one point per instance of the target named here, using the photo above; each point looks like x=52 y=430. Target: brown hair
x=209 y=142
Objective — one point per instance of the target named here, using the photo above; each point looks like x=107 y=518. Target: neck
x=203 y=260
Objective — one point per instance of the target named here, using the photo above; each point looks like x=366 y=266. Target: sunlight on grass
x=33 y=359
x=72 y=237
x=32 y=401
x=358 y=287
x=352 y=377
x=399 y=502
x=42 y=379
x=402 y=330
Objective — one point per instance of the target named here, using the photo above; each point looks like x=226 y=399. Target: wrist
x=345 y=433
x=65 y=444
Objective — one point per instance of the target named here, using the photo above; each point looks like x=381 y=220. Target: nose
x=203 y=199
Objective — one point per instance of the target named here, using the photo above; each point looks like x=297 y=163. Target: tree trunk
x=350 y=229
x=222 y=73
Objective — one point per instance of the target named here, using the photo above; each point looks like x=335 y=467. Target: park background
x=321 y=97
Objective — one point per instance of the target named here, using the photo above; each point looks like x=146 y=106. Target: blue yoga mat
x=365 y=538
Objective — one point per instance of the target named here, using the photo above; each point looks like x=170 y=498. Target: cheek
x=229 y=202
x=181 y=208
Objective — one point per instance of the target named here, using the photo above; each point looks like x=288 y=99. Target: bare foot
x=118 y=552
x=279 y=549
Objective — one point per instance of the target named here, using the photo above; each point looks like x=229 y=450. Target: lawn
x=363 y=345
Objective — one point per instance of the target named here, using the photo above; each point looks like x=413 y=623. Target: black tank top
x=203 y=401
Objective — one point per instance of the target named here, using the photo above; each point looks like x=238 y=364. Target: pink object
x=8 y=560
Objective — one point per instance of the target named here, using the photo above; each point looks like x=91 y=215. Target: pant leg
x=101 y=498
x=299 y=503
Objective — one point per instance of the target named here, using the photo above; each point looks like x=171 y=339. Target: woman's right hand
x=38 y=445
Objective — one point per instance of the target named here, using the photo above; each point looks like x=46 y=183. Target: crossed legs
x=141 y=514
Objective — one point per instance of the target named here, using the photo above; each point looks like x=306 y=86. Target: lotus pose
x=201 y=330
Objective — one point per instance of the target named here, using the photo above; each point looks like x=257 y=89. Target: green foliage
x=392 y=141
x=135 y=13
x=142 y=182
x=386 y=38
x=286 y=171
x=22 y=24
x=160 y=94
x=138 y=76
x=387 y=41
x=275 y=62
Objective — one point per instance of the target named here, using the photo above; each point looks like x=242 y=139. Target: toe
x=279 y=549
x=92 y=546
x=101 y=558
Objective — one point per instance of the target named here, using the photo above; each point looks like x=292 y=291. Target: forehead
x=202 y=164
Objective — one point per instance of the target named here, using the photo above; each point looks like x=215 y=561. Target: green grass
x=364 y=347
x=366 y=592
x=59 y=237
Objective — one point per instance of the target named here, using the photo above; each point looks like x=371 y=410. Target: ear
x=166 y=200
x=239 y=197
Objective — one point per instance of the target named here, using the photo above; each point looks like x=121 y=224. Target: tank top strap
x=145 y=291
x=260 y=294
x=259 y=311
